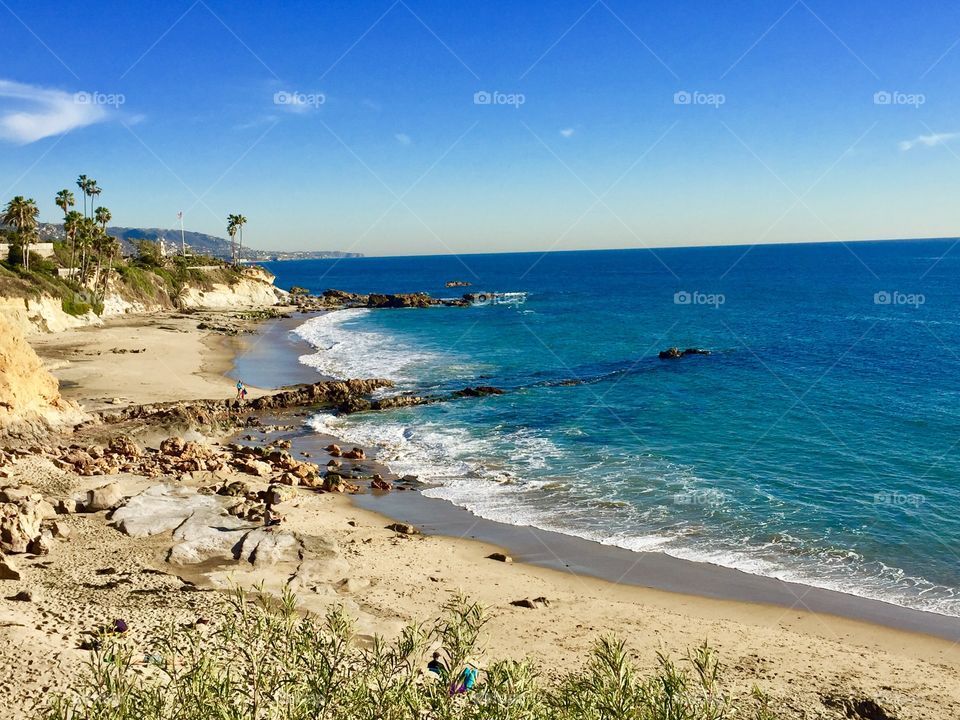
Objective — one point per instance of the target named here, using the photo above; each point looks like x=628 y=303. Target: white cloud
x=29 y=113
x=567 y=132
x=928 y=140
x=403 y=138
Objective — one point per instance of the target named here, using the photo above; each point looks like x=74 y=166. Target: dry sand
x=795 y=656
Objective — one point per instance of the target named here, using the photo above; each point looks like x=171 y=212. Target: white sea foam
x=467 y=475
x=347 y=352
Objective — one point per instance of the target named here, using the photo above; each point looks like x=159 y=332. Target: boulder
x=333 y=450
x=254 y=467
x=276 y=494
x=66 y=506
x=534 y=604
x=60 y=530
x=355 y=454
x=20 y=525
x=500 y=557
x=41 y=545
x=124 y=446
x=8 y=569
x=266 y=547
x=403 y=528
x=173 y=446
x=379 y=483
x=103 y=498
x=237 y=488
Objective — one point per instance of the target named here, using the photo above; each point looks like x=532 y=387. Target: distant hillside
x=199 y=243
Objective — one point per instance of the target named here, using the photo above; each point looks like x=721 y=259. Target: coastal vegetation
x=261 y=658
x=87 y=263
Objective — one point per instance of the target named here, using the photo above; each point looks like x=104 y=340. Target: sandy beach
x=804 y=660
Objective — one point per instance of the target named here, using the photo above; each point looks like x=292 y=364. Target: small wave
x=345 y=351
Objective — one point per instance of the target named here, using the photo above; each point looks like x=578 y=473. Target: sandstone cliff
x=30 y=401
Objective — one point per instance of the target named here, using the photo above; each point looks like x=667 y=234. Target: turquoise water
x=817 y=443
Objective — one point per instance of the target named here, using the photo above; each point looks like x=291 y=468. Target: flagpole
x=183 y=245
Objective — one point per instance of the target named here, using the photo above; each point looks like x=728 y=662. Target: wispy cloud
x=29 y=113
x=931 y=140
x=403 y=138
x=567 y=132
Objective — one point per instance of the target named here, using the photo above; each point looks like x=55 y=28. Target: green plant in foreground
x=260 y=659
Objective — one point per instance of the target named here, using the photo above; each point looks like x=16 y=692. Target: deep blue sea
x=818 y=442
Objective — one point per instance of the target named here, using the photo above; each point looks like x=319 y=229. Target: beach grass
x=261 y=658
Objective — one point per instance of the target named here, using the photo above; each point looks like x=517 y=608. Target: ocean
x=816 y=443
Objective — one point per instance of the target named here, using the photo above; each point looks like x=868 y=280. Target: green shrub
x=260 y=660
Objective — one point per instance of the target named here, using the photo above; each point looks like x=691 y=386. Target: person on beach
x=436 y=665
x=465 y=682
x=241 y=390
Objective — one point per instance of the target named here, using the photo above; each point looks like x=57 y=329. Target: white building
x=44 y=250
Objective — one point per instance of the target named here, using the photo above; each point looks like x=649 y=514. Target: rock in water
x=479 y=391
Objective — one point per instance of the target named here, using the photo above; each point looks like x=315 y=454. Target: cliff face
x=30 y=401
x=254 y=290
x=45 y=314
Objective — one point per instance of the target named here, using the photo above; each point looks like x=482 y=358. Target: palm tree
x=102 y=216
x=92 y=190
x=241 y=221
x=71 y=226
x=83 y=182
x=65 y=201
x=86 y=236
x=22 y=214
x=232 y=228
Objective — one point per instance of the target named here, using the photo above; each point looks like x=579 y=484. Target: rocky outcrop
x=30 y=402
x=231 y=412
x=674 y=353
x=341 y=298
x=479 y=391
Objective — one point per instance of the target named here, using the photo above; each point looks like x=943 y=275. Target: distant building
x=44 y=250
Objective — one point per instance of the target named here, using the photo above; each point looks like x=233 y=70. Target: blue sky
x=357 y=125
